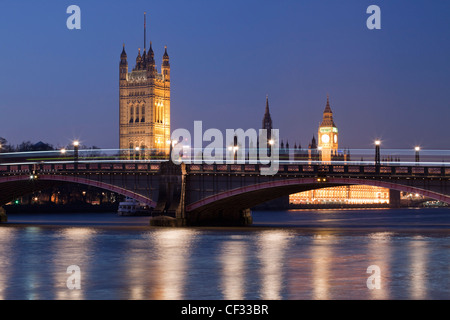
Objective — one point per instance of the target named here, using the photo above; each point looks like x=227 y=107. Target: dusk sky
x=57 y=84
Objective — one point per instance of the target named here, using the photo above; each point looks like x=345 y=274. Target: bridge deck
x=284 y=169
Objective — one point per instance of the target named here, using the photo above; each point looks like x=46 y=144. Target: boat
x=132 y=207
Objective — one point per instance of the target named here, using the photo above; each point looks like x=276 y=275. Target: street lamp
x=271 y=142
x=377 y=152
x=76 y=145
x=417 y=154
x=137 y=153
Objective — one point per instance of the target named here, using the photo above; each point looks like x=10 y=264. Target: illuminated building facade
x=144 y=104
x=346 y=195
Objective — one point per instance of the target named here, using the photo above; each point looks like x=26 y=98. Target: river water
x=285 y=255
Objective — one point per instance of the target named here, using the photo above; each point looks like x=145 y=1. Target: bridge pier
x=394 y=198
x=170 y=208
x=3 y=216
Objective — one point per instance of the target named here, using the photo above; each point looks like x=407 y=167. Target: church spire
x=267 y=120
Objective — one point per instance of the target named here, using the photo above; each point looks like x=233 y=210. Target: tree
x=4 y=146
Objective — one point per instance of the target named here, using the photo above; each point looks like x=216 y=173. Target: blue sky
x=58 y=84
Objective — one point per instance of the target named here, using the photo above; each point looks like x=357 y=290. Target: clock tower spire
x=328 y=134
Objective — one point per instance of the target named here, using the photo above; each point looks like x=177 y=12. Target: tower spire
x=327 y=107
x=267 y=120
x=145 y=30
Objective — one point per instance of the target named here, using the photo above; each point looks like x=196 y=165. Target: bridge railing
x=292 y=161
x=71 y=167
x=324 y=169
x=304 y=169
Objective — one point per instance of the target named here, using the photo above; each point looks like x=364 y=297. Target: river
x=285 y=255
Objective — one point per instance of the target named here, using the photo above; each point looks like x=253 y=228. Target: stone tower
x=328 y=135
x=144 y=105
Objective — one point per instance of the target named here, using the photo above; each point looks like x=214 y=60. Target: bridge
x=217 y=194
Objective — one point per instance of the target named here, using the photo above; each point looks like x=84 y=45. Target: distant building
x=343 y=195
x=144 y=104
x=326 y=150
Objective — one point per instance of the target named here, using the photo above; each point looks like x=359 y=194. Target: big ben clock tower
x=328 y=134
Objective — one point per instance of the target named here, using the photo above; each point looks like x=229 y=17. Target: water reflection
x=27 y=263
x=72 y=248
x=419 y=257
x=7 y=239
x=151 y=263
x=272 y=246
x=233 y=259
x=380 y=254
x=322 y=258
x=173 y=247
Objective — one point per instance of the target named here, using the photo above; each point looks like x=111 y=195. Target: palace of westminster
x=144 y=120
x=144 y=111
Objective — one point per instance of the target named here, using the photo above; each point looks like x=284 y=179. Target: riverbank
x=60 y=208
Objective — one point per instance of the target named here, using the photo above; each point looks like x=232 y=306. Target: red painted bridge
x=217 y=194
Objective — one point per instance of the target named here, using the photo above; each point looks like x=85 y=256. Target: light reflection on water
x=173 y=249
x=272 y=248
x=220 y=263
x=233 y=259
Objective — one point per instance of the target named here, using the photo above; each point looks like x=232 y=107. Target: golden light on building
x=328 y=135
x=345 y=195
x=327 y=148
x=144 y=104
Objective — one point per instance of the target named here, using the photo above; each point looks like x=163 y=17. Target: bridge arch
x=26 y=185
x=249 y=196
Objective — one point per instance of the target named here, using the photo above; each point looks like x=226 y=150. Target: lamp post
x=76 y=145
x=136 y=149
x=377 y=152
x=417 y=154
x=235 y=147
x=271 y=143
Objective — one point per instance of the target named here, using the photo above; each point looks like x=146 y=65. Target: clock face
x=325 y=138
x=335 y=138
